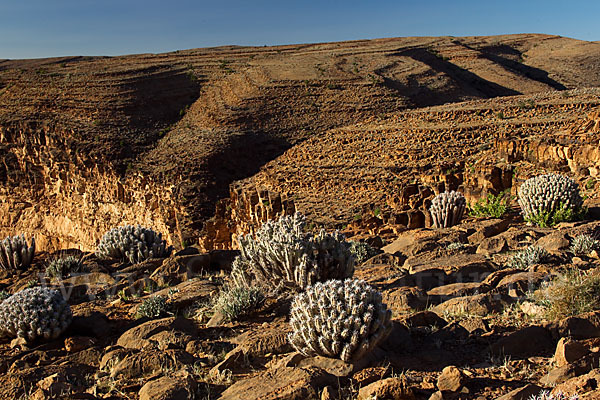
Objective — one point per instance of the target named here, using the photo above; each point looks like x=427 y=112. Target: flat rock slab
x=525 y=342
x=149 y=333
x=189 y=292
x=281 y=384
x=173 y=387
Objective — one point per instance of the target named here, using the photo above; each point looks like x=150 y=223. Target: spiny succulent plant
x=61 y=267
x=237 y=302
x=363 y=251
x=582 y=245
x=525 y=258
x=548 y=199
x=546 y=395
x=15 y=253
x=132 y=243
x=447 y=209
x=338 y=319
x=153 y=307
x=34 y=313
x=282 y=254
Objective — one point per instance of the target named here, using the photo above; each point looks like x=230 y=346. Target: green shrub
x=153 y=307
x=571 y=293
x=523 y=259
x=491 y=206
x=455 y=246
x=238 y=302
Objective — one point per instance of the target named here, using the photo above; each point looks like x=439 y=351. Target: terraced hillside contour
x=91 y=143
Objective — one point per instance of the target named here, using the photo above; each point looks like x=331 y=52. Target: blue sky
x=45 y=28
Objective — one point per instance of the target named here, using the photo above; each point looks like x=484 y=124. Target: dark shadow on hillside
x=468 y=83
x=499 y=53
x=240 y=157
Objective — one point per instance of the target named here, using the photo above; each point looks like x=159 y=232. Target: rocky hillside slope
x=91 y=143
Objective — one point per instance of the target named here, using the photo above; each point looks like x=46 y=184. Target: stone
x=554 y=242
x=148 y=362
x=525 y=342
x=583 y=326
x=492 y=245
x=90 y=323
x=189 y=292
x=451 y=379
x=141 y=336
x=172 y=387
x=457 y=268
x=580 y=384
x=488 y=228
x=78 y=343
x=443 y=293
x=522 y=393
x=480 y=304
x=280 y=384
x=568 y=351
x=369 y=375
x=389 y=388
x=424 y=318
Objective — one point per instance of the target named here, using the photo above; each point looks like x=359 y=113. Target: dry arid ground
x=205 y=145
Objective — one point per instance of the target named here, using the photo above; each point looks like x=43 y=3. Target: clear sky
x=45 y=28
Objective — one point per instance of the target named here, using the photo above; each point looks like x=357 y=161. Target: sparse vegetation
x=570 y=293
x=153 y=307
x=362 y=251
x=456 y=246
x=532 y=255
x=235 y=303
x=62 y=267
x=583 y=245
x=491 y=206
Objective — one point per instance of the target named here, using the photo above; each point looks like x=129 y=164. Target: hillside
x=90 y=143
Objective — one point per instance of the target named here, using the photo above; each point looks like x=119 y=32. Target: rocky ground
x=204 y=145
x=465 y=326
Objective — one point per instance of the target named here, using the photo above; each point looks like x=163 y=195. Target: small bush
x=455 y=246
x=362 y=251
x=546 y=395
x=235 y=303
x=62 y=267
x=583 y=245
x=491 y=206
x=154 y=307
x=532 y=255
x=571 y=293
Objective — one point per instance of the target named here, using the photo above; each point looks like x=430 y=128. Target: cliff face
x=87 y=144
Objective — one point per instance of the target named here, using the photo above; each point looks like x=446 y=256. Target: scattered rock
x=172 y=387
x=525 y=342
x=142 y=335
x=281 y=384
x=78 y=343
x=523 y=393
x=554 y=242
x=492 y=245
x=450 y=380
x=568 y=351
x=389 y=388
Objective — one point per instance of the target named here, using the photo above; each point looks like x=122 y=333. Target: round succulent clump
x=532 y=255
x=548 y=199
x=338 y=319
x=132 y=243
x=34 y=313
x=15 y=253
x=153 y=307
x=447 y=209
x=61 y=267
x=582 y=245
x=282 y=254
